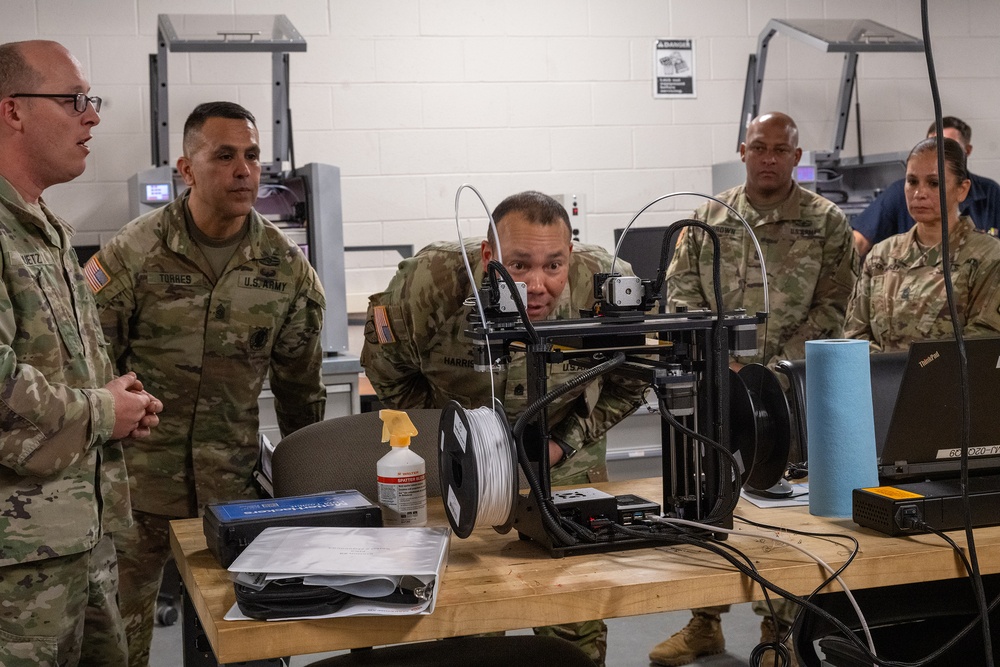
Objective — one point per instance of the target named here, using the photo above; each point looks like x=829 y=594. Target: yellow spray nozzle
x=397 y=429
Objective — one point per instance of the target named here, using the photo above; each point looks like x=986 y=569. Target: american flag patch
x=382 y=328
x=95 y=274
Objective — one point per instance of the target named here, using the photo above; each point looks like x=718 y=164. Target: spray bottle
x=402 y=485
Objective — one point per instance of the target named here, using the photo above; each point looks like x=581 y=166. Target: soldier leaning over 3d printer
x=417 y=355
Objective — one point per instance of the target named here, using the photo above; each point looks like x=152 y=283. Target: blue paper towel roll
x=839 y=424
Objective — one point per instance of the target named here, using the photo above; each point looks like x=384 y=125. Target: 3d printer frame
x=686 y=359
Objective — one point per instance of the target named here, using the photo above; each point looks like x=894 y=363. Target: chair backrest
x=341 y=453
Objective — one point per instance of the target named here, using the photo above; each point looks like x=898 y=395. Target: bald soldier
x=420 y=357
x=205 y=300
x=63 y=483
x=811 y=265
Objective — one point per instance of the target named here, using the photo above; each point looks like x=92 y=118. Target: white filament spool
x=478 y=468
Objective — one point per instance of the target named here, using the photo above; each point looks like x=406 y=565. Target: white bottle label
x=403 y=498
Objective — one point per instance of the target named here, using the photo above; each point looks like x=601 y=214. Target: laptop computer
x=917 y=404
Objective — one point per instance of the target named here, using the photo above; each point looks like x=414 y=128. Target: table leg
x=197 y=649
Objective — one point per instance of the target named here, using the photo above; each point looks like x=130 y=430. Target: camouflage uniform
x=62 y=479
x=204 y=347
x=425 y=360
x=811 y=265
x=811 y=268
x=900 y=297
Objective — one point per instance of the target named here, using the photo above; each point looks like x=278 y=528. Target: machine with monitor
x=850 y=182
x=305 y=201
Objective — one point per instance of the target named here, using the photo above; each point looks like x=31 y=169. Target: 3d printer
x=683 y=356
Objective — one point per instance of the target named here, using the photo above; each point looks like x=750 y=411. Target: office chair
x=907 y=623
x=341 y=453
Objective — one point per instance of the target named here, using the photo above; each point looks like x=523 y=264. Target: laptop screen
x=923 y=437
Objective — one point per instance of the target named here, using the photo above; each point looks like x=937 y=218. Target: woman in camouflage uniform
x=900 y=296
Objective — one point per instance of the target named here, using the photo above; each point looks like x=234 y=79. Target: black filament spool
x=742 y=431
x=762 y=416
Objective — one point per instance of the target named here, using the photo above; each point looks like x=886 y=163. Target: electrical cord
x=975 y=574
x=717 y=512
x=831 y=537
x=668 y=237
x=461 y=243
x=468 y=267
x=548 y=512
x=720 y=363
x=746 y=225
x=921 y=525
x=851 y=636
x=798 y=470
x=805 y=602
x=834 y=574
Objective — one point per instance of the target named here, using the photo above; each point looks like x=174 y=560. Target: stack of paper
x=365 y=563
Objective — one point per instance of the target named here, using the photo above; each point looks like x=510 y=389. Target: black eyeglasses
x=80 y=100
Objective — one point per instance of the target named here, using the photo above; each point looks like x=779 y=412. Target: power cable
x=975 y=575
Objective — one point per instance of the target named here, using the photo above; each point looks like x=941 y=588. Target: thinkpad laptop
x=918 y=409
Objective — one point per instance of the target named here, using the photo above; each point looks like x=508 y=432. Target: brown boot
x=772 y=633
x=702 y=636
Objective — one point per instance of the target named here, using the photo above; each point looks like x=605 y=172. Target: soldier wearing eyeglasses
x=63 y=414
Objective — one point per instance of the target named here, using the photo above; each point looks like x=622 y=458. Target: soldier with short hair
x=205 y=300
x=417 y=355
x=811 y=265
x=63 y=482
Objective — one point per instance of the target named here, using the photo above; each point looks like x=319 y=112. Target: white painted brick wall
x=412 y=99
x=426 y=59
x=92 y=18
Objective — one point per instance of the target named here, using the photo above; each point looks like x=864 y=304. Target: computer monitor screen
x=641 y=248
x=805 y=173
x=157 y=193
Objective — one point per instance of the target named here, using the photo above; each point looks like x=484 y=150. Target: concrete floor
x=629 y=640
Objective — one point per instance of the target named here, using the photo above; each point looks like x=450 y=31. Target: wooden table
x=498 y=582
